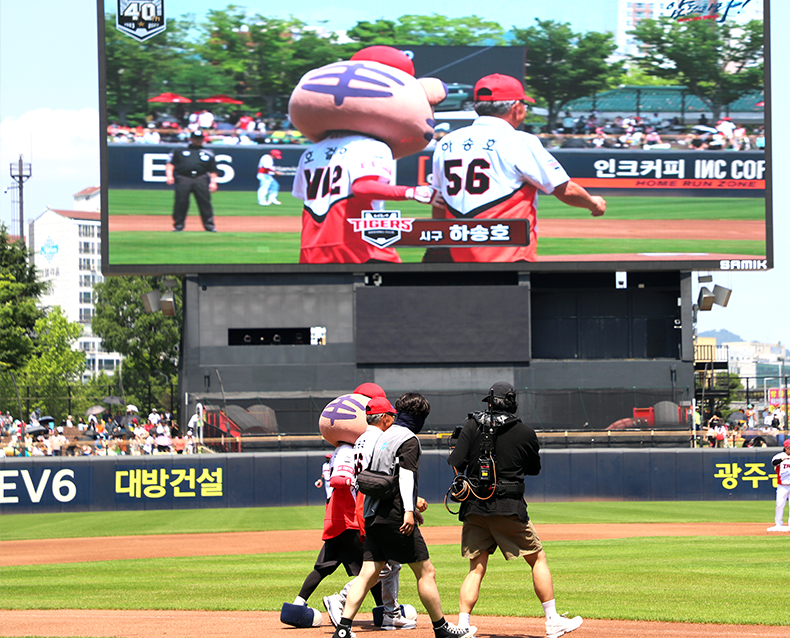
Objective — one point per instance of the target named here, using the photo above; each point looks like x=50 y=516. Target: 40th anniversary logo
x=141 y=20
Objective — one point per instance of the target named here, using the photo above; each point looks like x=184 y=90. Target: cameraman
x=493 y=509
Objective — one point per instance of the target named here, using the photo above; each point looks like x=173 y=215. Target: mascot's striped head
x=374 y=93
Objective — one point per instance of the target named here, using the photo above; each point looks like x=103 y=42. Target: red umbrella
x=171 y=98
x=221 y=99
x=760 y=104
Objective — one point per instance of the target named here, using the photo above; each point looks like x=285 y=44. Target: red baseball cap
x=787 y=443
x=370 y=390
x=275 y=152
x=498 y=87
x=380 y=405
x=386 y=55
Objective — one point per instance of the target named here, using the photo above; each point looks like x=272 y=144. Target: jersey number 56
x=473 y=180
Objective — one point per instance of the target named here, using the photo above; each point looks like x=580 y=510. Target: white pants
x=782 y=496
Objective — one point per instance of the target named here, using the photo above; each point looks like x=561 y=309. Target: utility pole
x=20 y=173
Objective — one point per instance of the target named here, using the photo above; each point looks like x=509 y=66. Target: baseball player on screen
x=491 y=170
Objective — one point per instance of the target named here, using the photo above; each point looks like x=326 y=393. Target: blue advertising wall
x=678 y=172
x=74 y=484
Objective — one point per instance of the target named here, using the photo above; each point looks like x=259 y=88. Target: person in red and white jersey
x=781 y=463
x=491 y=170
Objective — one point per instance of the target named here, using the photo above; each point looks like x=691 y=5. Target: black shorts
x=385 y=542
x=345 y=549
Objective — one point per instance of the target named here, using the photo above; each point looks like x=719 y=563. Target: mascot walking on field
x=341 y=424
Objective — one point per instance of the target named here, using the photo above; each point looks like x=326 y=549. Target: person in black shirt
x=193 y=170
x=495 y=450
x=391 y=527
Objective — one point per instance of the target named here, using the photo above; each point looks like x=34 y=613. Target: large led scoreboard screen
x=684 y=170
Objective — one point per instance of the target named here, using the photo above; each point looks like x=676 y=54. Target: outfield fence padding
x=271 y=479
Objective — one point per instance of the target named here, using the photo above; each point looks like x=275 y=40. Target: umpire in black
x=193 y=170
x=495 y=450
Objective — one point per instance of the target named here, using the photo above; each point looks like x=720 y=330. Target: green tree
x=148 y=342
x=136 y=70
x=563 y=65
x=54 y=366
x=717 y=61
x=433 y=29
x=263 y=57
x=20 y=290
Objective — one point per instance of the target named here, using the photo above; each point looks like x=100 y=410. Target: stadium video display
x=226 y=143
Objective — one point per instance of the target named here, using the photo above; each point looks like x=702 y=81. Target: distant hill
x=722 y=336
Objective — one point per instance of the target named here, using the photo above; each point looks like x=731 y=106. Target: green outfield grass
x=682 y=579
x=149 y=247
x=145 y=247
x=245 y=204
x=89 y=524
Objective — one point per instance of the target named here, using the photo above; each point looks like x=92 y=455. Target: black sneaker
x=343 y=632
x=449 y=630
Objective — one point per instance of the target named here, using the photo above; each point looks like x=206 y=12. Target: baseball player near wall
x=491 y=170
x=782 y=464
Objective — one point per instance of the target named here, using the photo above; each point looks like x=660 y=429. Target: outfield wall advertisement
x=271 y=479
x=677 y=204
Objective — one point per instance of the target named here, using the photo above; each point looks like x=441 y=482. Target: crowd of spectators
x=238 y=128
x=654 y=133
x=96 y=435
x=751 y=428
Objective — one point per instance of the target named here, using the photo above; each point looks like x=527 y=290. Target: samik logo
x=382 y=228
x=744 y=264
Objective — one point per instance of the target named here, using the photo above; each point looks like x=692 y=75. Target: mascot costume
x=362 y=115
x=341 y=423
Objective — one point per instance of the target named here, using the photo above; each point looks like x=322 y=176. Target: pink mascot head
x=375 y=93
x=343 y=420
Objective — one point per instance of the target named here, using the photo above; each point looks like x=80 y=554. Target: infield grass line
x=204 y=521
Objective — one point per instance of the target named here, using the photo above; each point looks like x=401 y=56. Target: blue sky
x=49 y=113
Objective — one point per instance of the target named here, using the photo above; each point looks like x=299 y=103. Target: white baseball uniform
x=490 y=170
x=781 y=463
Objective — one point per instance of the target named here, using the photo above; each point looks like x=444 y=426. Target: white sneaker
x=562 y=625
x=334 y=607
x=397 y=622
x=775 y=528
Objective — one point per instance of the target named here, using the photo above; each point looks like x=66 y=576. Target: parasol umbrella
x=704 y=129
x=35 y=429
x=113 y=400
x=170 y=98
x=48 y=421
x=132 y=408
x=760 y=103
x=96 y=409
x=220 y=99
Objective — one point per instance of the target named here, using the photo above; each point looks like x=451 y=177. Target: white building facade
x=66 y=249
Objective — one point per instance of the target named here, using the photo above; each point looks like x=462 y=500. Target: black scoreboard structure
x=599 y=327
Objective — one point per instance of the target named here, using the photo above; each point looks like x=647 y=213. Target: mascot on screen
x=362 y=115
x=341 y=423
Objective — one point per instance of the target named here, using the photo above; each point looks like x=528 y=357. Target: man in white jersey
x=491 y=170
x=782 y=464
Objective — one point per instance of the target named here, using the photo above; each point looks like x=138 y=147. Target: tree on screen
x=717 y=62
x=563 y=65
